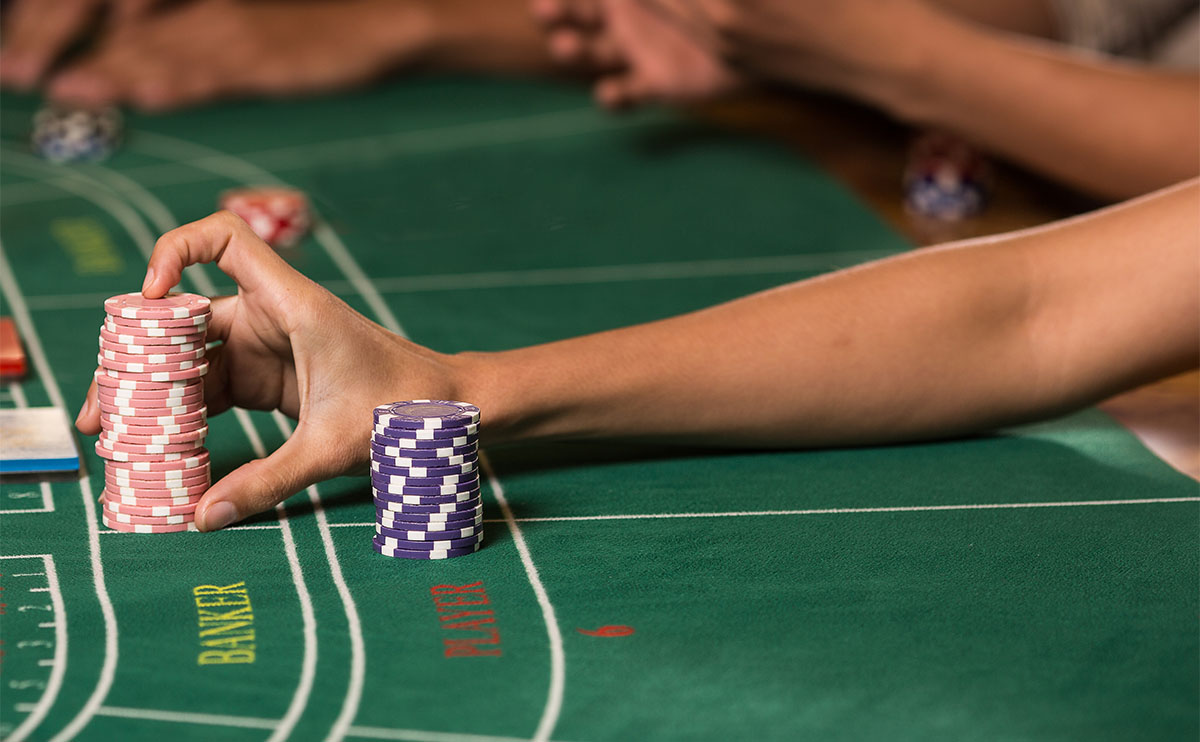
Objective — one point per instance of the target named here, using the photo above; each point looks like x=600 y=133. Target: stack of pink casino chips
x=153 y=421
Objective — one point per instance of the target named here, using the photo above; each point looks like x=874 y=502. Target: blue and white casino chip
x=443 y=545
x=433 y=444
x=420 y=554
x=68 y=135
x=472 y=516
x=402 y=456
x=465 y=508
x=381 y=446
x=427 y=434
x=383 y=484
x=425 y=479
x=426 y=499
x=399 y=475
x=426 y=521
x=430 y=521
x=387 y=465
x=379 y=454
x=946 y=178
x=426 y=414
x=411 y=534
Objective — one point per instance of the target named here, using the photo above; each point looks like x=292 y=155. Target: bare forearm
x=1109 y=128
x=939 y=342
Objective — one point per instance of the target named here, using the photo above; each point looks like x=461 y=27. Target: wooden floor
x=867 y=151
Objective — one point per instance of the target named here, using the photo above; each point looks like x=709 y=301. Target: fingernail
x=149 y=279
x=219 y=515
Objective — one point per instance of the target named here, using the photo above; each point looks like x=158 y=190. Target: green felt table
x=1034 y=584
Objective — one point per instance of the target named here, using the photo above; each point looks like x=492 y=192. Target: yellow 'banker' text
x=225 y=621
x=88 y=243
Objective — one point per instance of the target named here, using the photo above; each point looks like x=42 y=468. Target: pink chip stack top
x=153 y=421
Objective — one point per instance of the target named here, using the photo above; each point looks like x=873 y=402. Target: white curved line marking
x=828 y=511
x=59 y=666
x=558 y=662
x=853 y=511
x=358 y=655
x=86 y=188
x=188 y=717
x=161 y=217
x=165 y=221
x=477 y=134
x=231 y=167
x=598 y=274
x=37 y=353
x=308 y=667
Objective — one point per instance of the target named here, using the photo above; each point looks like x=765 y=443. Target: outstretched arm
x=942 y=341
x=945 y=340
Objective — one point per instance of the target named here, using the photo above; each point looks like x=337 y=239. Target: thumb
x=261 y=484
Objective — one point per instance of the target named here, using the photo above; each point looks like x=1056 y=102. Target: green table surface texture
x=1034 y=584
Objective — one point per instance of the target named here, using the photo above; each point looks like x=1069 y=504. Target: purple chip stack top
x=425 y=479
x=153 y=422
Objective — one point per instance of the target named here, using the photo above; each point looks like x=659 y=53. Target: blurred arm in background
x=1111 y=127
x=156 y=55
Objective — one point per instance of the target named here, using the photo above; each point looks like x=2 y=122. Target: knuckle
x=233 y=224
x=229 y=219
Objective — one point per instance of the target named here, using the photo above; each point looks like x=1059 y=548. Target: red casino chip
x=12 y=354
x=280 y=216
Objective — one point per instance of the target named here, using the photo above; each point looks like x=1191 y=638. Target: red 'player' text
x=459 y=610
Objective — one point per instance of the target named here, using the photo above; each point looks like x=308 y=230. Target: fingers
x=224 y=239
x=84 y=84
x=604 y=53
x=125 y=10
x=594 y=51
x=260 y=485
x=622 y=91
x=224 y=309
x=128 y=69
x=217 y=392
x=36 y=33
x=577 y=34
x=88 y=419
x=575 y=12
x=566 y=46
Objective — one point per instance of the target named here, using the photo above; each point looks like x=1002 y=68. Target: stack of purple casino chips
x=425 y=479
